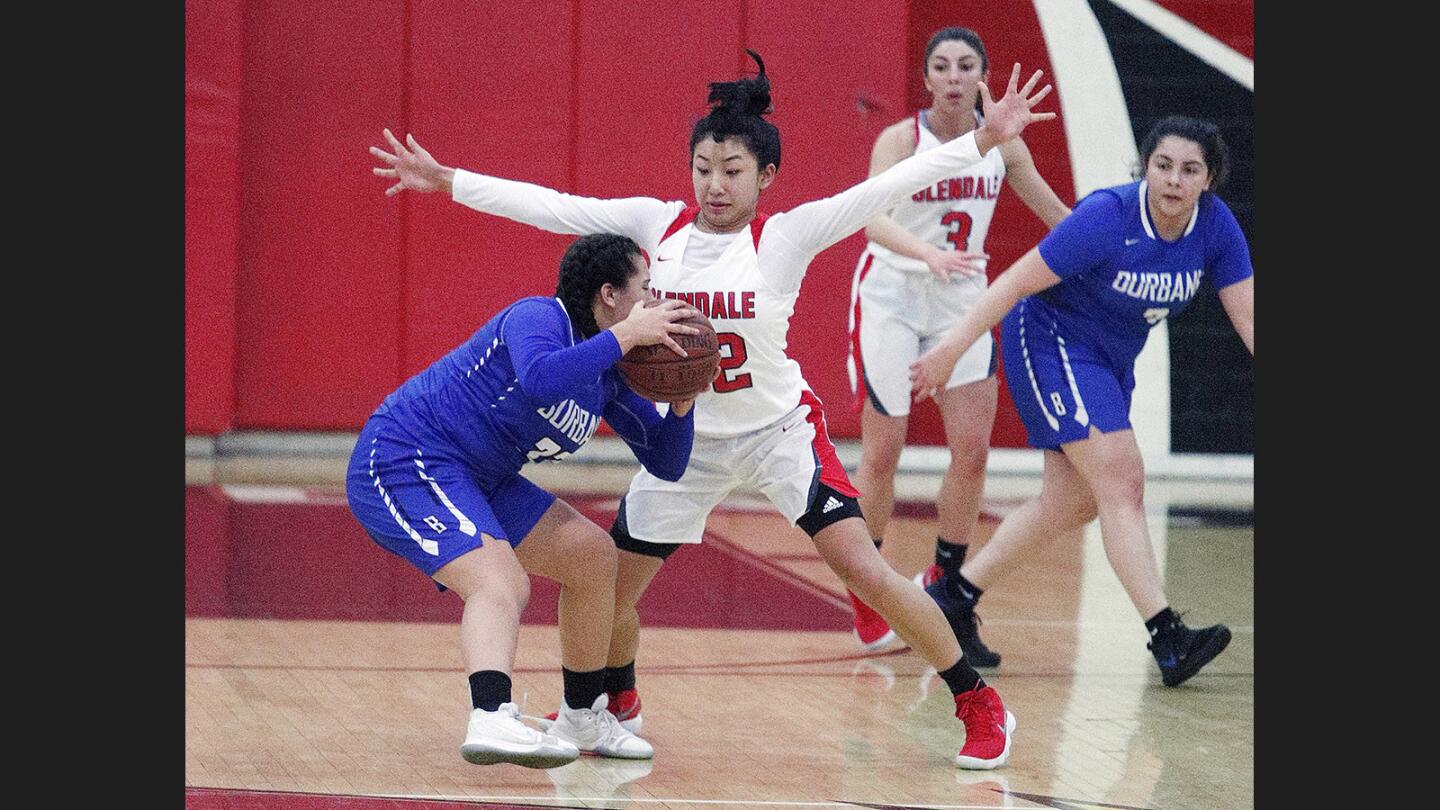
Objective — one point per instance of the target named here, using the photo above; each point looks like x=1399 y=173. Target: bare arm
x=1021 y=174
x=1239 y=302
x=894 y=145
x=1025 y=277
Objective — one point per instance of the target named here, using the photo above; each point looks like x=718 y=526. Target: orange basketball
x=659 y=374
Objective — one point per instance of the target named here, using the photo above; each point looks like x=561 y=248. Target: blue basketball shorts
x=424 y=505
x=1060 y=387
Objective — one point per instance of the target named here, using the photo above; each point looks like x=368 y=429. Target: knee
x=879 y=459
x=1124 y=490
x=968 y=455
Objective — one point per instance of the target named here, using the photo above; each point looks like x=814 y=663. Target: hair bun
x=743 y=96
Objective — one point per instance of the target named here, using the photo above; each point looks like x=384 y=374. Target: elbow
x=667 y=473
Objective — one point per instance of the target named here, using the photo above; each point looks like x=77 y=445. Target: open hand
x=1008 y=117
x=413 y=167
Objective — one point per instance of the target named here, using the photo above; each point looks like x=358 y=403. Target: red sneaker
x=870 y=627
x=928 y=576
x=625 y=705
x=987 y=729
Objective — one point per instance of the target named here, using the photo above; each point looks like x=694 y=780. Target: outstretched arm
x=814 y=226
x=1025 y=277
x=1239 y=302
x=412 y=167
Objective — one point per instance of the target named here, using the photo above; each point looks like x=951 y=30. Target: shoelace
x=974 y=709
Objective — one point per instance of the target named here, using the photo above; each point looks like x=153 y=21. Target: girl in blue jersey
x=1077 y=310
x=434 y=478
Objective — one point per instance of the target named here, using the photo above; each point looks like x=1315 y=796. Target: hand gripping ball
x=657 y=373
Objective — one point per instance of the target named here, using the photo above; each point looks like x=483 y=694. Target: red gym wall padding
x=310 y=294
x=213 y=36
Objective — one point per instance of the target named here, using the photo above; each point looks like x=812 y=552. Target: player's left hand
x=413 y=167
x=931 y=371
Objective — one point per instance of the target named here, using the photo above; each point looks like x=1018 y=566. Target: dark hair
x=736 y=110
x=964 y=35
x=1203 y=133
x=588 y=264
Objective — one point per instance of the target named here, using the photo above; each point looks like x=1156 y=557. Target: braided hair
x=735 y=111
x=588 y=264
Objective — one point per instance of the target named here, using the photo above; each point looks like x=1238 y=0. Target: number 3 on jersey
x=732 y=357
x=962 y=221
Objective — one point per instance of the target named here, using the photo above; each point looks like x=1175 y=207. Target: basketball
x=659 y=374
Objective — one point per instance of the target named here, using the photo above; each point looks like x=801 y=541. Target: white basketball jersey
x=758 y=383
x=952 y=213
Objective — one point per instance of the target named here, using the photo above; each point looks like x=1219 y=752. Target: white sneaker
x=596 y=731
x=500 y=736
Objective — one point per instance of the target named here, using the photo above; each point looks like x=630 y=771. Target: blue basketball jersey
x=1119 y=278
x=525 y=388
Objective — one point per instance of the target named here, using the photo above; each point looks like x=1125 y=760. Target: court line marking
x=743 y=803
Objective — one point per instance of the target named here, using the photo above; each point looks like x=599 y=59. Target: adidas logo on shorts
x=831 y=505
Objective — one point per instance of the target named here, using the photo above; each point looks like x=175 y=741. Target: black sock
x=618 y=679
x=962 y=678
x=949 y=556
x=488 y=689
x=963 y=589
x=1162 y=623
x=581 y=688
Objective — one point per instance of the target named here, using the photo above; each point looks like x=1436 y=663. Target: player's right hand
x=655 y=323
x=946 y=263
x=413 y=167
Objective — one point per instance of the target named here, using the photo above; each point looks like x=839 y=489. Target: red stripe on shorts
x=859 y=404
x=832 y=473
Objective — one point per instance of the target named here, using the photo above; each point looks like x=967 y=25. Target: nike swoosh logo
x=666 y=259
x=968 y=595
x=1128 y=243
x=787 y=427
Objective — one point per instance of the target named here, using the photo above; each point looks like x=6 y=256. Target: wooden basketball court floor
x=322 y=673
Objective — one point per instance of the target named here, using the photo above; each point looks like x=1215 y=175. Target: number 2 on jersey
x=960 y=236
x=732 y=357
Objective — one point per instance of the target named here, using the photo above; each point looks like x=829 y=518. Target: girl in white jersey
x=920 y=272
x=760 y=424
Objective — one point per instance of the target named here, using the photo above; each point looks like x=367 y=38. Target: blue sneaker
x=961 y=616
x=1181 y=652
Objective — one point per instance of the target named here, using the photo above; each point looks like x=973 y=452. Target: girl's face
x=728 y=183
x=953 y=74
x=613 y=304
x=1177 y=174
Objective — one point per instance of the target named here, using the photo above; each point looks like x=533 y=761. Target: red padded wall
x=319 y=299
x=1230 y=21
x=490 y=93
x=310 y=294
x=213 y=36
